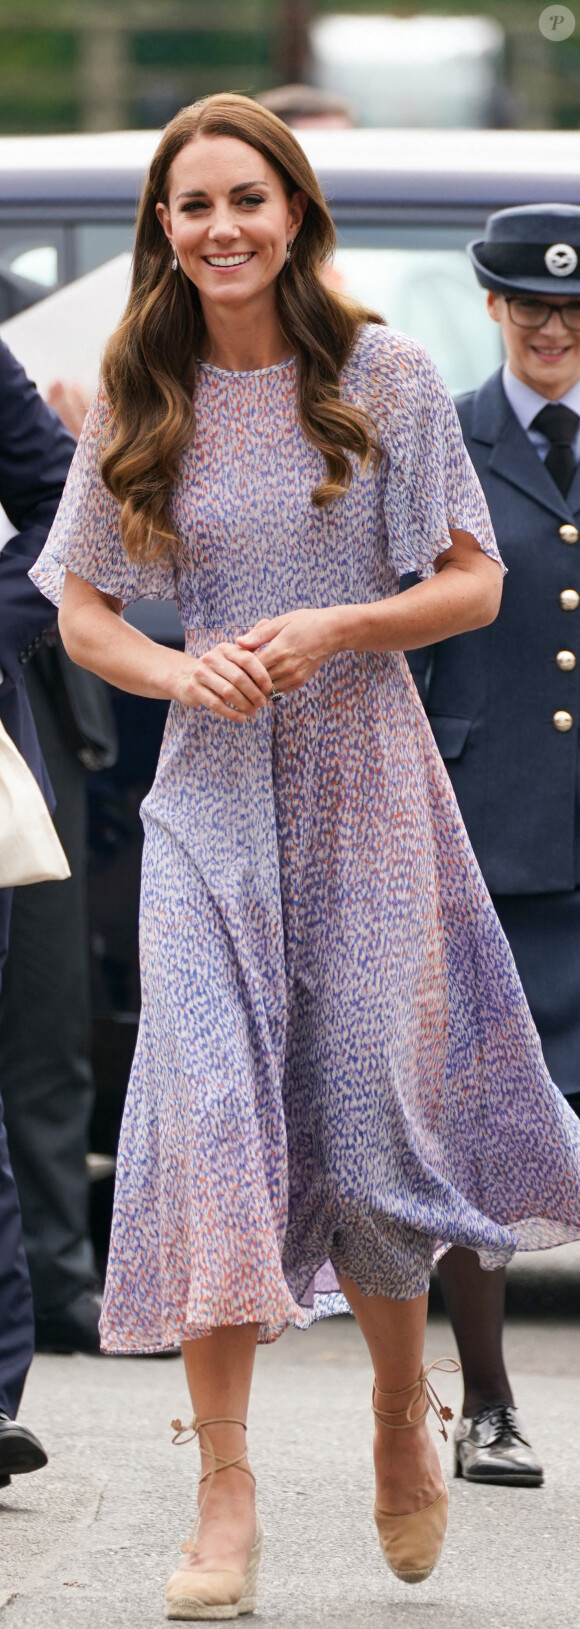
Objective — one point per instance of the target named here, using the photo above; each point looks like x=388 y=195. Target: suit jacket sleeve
x=35 y=454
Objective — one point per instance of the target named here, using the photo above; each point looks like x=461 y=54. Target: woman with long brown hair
x=336 y=1075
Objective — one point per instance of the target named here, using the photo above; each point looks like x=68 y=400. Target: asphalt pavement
x=88 y=1542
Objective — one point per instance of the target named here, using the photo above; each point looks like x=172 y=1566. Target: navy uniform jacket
x=35 y=453
x=491 y=695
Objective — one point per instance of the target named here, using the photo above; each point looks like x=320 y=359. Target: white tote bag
x=30 y=850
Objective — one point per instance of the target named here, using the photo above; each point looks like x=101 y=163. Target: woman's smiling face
x=228 y=218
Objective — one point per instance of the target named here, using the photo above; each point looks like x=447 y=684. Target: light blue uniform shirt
x=526 y=402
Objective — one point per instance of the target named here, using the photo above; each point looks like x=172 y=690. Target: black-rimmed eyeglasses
x=534 y=313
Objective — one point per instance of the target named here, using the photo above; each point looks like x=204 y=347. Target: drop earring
x=289 y=248
x=174 y=262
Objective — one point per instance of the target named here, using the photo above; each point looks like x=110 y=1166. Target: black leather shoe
x=74 y=1328
x=20 y=1451
x=492 y=1448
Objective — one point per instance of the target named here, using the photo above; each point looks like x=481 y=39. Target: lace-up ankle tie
x=423 y=1392
x=212 y=1592
x=412 y=1542
x=198 y=1428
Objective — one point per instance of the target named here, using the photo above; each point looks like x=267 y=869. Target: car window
x=98 y=241
x=421 y=280
x=39 y=263
x=35 y=252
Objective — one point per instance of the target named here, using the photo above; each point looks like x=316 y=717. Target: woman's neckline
x=246 y=373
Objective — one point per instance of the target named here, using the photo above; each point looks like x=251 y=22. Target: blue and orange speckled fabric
x=335 y=1061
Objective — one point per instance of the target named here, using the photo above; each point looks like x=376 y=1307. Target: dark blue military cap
x=533 y=249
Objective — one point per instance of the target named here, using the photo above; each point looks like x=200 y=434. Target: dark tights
x=475 y=1305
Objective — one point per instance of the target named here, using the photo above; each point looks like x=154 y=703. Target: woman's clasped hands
x=294 y=646
x=236 y=679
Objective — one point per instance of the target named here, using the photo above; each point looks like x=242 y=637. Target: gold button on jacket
x=569 y=599
x=566 y=660
x=568 y=533
x=562 y=721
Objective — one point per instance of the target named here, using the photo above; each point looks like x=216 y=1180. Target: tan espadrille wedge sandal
x=412 y=1544
x=193 y=1593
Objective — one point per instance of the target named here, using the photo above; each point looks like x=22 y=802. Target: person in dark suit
x=35 y=453
x=504 y=707
x=45 y=1043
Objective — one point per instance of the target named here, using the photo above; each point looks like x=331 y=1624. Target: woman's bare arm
x=229 y=681
x=465 y=593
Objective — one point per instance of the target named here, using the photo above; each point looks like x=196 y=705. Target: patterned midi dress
x=336 y=1068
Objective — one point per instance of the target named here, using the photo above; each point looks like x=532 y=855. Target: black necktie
x=559 y=424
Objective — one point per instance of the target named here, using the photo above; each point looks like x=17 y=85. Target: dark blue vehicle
x=405 y=204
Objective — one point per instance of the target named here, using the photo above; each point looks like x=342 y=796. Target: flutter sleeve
x=431 y=483
x=86 y=537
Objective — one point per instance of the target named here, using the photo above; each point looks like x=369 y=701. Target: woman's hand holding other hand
x=292 y=647
x=229 y=681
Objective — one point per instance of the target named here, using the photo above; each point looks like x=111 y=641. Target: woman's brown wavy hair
x=149 y=368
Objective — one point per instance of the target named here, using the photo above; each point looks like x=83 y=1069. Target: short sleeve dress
x=336 y=1069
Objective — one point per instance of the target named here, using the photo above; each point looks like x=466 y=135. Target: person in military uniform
x=504 y=706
